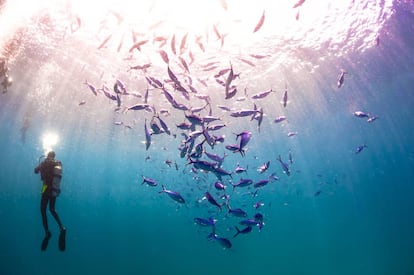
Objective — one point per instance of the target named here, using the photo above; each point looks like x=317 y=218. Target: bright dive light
x=49 y=141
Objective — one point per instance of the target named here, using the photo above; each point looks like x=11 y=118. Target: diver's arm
x=37 y=169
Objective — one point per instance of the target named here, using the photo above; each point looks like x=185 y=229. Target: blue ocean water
x=337 y=213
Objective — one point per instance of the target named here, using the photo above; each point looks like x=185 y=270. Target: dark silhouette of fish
x=245 y=230
x=260 y=23
x=173 y=195
x=225 y=243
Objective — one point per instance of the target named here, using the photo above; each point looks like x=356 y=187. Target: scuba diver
x=50 y=173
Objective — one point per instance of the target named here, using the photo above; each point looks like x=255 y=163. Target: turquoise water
x=361 y=222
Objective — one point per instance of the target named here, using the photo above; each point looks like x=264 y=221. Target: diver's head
x=51 y=155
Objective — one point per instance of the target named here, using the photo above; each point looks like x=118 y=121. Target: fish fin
x=237 y=233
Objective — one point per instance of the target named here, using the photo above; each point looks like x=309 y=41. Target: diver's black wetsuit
x=46 y=172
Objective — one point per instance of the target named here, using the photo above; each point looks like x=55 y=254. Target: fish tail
x=163 y=189
x=228 y=206
x=237 y=233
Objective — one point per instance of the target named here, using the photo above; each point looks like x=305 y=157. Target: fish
x=121 y=43
x=137 y=107
x=121 y=85
x=228 y=81
x=211 y=200
x=154 y=82
x=284 y=166
x=75 y=24
x=138 y=45
x=173 y=45
x=215 y=127
x=208 y=119
x=172 y=76
x=149 y=181
x=200 y=44
x=263 y=168
x=154 y=127
x=215 y=157
x=220 y=172
x=259 y=118
x=202 y=164
x=360 y=148
x=243 y=113
x=140 y=67
x=92 y=88
x=260 y=23
x=285 y=98
x=258 y=204
x=224 y=108
x=219 y=185
x=258 y=217
x=194 y=119
x=222 y=72
x=237 y=212
x=164 y=56
x=147 y=136
x=372 y=119
x=249 y=222
x=240 y=169
x=225 y=243
x=245 y=230
x=341 y=78
x=205 y=222
x=360 y=114
x=377 y=40
x=317 y=193
x=184 y=126
x=244 y=139
x=107 y=93
x=232 y=93
x=299 y=3
x=104 y=42
x=261 y=183
x=216 y=31
x=183 y=43
x=164 y=126
x=233 y=147
x=248 y=62
x=279 y=119
x=184 y=63
x=173 y=195
x=259 y=56
x=262 y=94
x=242 y=183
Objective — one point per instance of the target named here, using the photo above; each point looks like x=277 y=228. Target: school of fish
x=202 y=141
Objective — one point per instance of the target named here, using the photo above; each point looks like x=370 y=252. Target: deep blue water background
x=361 y=223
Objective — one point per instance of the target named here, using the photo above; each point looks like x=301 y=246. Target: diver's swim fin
x=62 y=240
x=45 y=241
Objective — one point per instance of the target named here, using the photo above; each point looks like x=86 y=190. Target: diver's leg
x=54 y=213
x=43 y=204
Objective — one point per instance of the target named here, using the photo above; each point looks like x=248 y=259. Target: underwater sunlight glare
x=49 y=141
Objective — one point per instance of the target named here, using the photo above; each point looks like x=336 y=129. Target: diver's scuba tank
x=57 y=176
